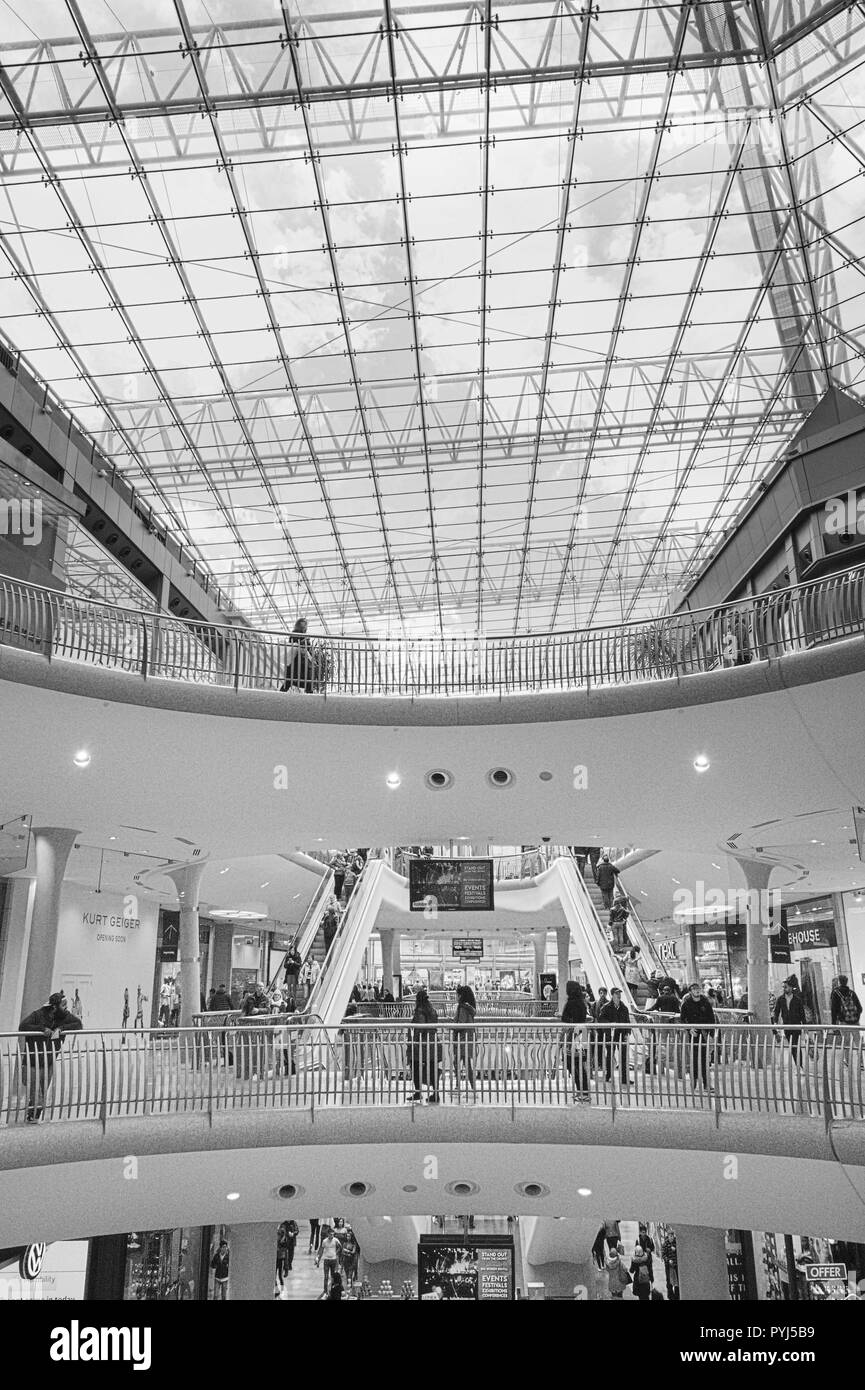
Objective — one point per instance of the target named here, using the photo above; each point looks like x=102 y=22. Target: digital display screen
x=450 y=885
x=476 y=1269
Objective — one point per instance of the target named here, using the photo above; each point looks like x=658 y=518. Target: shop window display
x=163 y=1266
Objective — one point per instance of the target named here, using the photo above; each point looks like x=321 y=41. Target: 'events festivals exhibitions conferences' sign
x=450 y=885
x=495 y=1273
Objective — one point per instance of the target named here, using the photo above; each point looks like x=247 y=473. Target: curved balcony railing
x=735 y=1069
x=158 y=646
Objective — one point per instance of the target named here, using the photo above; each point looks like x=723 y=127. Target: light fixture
x=232 y=1196
x=223 y=871
x=82 y=758
x=265 y=885
x=393 y=780
x=715 y=866
x=701 y=763
x=584 y=1192
x=112 y=837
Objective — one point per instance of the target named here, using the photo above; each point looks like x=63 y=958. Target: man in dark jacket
x=615 y=1013
x=845 y=1003
x=292 y=971
x=790 y=1010
x=697 y=1013
x=221 y=1001
x=45 y=1029
x=666 y=1010
x=605 y=878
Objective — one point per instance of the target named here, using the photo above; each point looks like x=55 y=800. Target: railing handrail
x=267 y=1022
x=745 y=603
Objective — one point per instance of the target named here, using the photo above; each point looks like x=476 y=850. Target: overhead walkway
x=155 y=645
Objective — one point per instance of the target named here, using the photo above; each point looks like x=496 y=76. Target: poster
x=471 y=1269
x=106 y=952
x=450 y=885
x=49 y=1273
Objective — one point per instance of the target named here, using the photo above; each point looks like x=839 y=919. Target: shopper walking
x=697 y=1013
x=618 y=921
x=606 y=877
x=790 y=1011
x=298 y=666
x=291 y=967
x=45 y=1030
x=641 y=1273
x=844 y=1003
x=574 y=1039
x=423 y=1048
x=350 y=1255
x=464 y=1039
x=328 y=1253
x=314 y=1234
x=618 y=1277
x=616 y=1037
x=220 y=1265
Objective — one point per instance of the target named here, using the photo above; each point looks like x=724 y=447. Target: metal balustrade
x=157 y=646
x=750 y=1070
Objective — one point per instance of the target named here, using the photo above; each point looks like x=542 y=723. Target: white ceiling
x=784 y=755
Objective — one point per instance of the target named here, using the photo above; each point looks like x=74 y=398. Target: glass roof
x=421 y=317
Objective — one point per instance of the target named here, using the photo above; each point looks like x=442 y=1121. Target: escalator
x=376 y=885
x=310 y=926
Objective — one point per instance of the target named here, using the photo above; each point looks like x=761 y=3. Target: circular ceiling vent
x=289 y=1190
x=462 y=1188
x=545 y=776
x=500 y=777
x=439 y=779
x=532 y=1189
x=357 y=1189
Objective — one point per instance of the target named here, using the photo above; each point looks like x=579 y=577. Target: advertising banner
x=450 y=885
x=106 y=953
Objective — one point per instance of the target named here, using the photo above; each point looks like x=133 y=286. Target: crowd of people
x=611 y=1261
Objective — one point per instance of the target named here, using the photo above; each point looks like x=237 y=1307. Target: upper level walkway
x=150 y=645
x=253 y=1123
x=729 y=1069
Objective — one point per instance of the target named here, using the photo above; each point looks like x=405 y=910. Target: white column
x=757 y=877
x=563 y=948
x=187 y=880
x=53 y=844
x=539 y=946
x=252 y=1268
x=13 y=950
x=386 y=938
x=702 y=1263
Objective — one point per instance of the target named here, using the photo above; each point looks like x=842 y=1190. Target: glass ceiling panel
x=598 y=282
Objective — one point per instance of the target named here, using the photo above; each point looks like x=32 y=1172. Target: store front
x=720 y=958
x=807 y=947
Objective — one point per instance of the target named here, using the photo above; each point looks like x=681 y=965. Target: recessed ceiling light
x=715 y=866
x=393 y=780
x=232 y=1196
x=677 y=880
x=643 y=893
x=584 y=1192
x=701 y=763
x=813 y=842
x=82 y=758
x=112 y=837
x=265 y=885
x=223 y=871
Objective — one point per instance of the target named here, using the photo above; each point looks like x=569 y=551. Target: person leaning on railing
x=45 y=1030
x=464 y=1039
x=423 y=1047
x=697 y=1013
